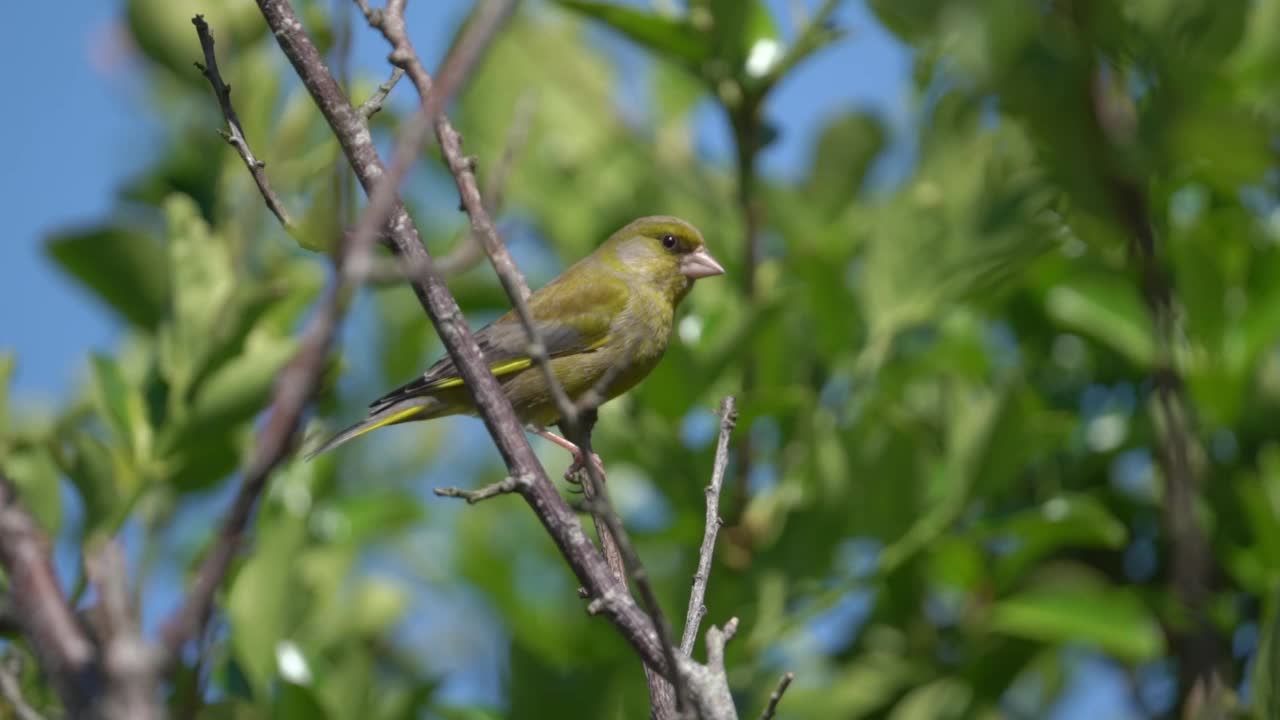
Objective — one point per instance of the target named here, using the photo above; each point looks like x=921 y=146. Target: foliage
x=955 y=496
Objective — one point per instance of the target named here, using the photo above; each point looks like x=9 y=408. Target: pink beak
x=700 y=264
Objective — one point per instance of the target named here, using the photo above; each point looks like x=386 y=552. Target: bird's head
x=664 y=251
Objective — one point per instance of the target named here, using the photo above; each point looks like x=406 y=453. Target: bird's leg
x=571 y=473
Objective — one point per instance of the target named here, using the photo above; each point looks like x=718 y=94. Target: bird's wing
x=573 y=315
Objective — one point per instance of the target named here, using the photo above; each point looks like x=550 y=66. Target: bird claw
x=571 y=475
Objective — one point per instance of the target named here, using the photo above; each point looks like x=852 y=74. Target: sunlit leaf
x=671 y=38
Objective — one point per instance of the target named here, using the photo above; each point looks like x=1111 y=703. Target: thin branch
x=772 y=708
x=698 y=593
x=468 y=251
x=493 y=406
x=64 y=651
x=370 y=107
x=235 y=133
x=663 y=695
x=11 y=688
x=512 y=484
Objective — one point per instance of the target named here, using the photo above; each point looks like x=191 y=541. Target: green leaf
x=36 y=477
x=841 y=158
x=263 y=593
x=742 y=29
x=241 y=387
x=298 y=702
x=672 y=39
x=123 y=407
x=1065 y=521
x=1113 y=619
x=1108 y=309
x=124 y=268
x=89 y=465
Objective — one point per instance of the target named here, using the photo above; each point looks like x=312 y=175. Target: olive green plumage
x=613 y=307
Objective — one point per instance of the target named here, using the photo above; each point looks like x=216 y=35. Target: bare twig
x=774 y=698
x=370 y=107
x=493 y=406
x=64 y=651
x=11 y=688
x=511 y=484
x=698 y=593
x=235 y=133
x=711 y=694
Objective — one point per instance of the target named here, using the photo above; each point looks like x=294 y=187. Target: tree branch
x=772 y=708
x=1198 y=648
x=698 y=593
x=64 y=651
x=511 y=484
x=370 y=107
x=234 y=134
x=493 y=407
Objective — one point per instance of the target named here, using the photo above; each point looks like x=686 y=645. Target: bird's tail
x=419 y=408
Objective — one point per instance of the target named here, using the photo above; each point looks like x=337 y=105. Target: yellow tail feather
x=367 y=425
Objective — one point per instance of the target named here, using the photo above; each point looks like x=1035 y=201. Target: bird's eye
x=669 y=242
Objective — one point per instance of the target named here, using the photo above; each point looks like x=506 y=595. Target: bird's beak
x=700 y=264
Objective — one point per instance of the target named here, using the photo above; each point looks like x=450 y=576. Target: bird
x=606 y=319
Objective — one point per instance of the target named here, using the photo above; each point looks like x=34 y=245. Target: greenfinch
x=607 y=318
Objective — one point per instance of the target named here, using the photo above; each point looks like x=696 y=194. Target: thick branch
x=494 y=408
x=64 y=650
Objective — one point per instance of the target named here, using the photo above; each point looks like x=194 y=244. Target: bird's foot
x=571 y=475
x=578 y=465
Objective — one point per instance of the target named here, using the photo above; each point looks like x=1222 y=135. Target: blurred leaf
x=672 y=39
x=122 y=406
x=262 y=595
x=1062 y=522
x=88 y=464
x=1113 y=619
x=842 y=156
x=1108 y=309
x=298 y=702
x=36 y=478
x=938 y=700
x=163 y=30
x=124 y=268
